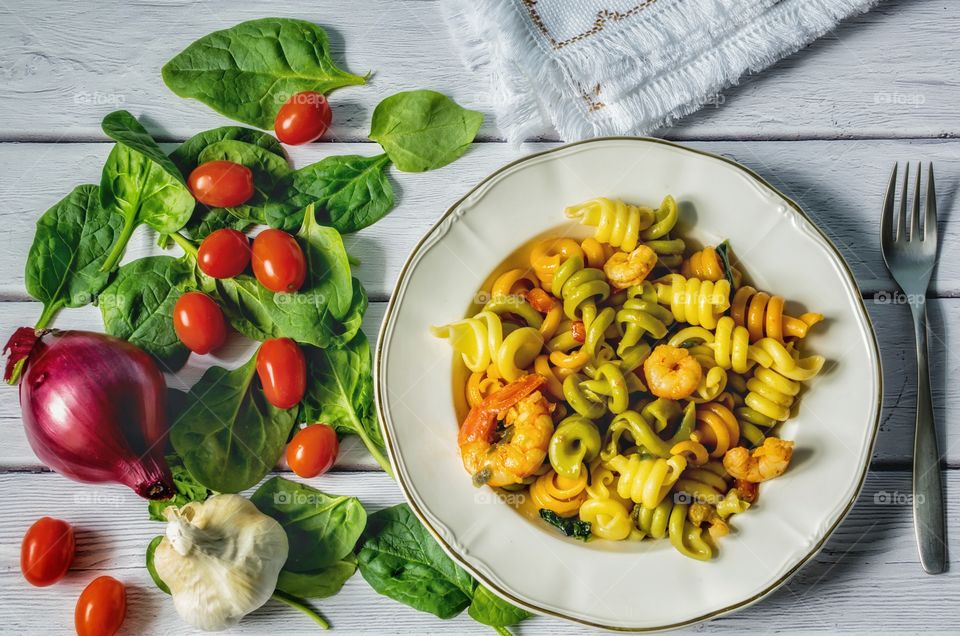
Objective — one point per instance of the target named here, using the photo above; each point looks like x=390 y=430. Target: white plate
x=628 y=585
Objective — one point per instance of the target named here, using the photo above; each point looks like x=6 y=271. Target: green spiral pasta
x=580 y=288
x=641 y=315
x=642 y=428
x=576 y=440
x=669 y=520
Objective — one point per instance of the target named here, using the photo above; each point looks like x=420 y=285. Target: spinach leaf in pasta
x=69 y=248
x=569 y=526
x=724 y=251
x=248 y=71
x=422 y=130
x=140 y=183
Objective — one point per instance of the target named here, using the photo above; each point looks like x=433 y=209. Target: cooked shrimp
x=671 y=372
x=766 y=462
x=522 y=449
x=626 y=269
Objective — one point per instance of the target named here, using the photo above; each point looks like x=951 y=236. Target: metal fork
x=910 y=257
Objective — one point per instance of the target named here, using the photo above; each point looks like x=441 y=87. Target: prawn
x=522 y=449
x=766 y=462
x=625 y=269
x=671 y=372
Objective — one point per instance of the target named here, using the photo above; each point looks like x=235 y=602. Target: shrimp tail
x=481 y=420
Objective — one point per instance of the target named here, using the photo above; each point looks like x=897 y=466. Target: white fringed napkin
x=625 y=67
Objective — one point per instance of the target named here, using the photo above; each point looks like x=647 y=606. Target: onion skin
x=94 y=409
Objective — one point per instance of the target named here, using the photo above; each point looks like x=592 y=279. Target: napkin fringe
x=654 y=71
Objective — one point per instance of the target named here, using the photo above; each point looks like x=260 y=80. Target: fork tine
x=902 y=218
x=886 y=217
x=915 y=217
x=930 y=213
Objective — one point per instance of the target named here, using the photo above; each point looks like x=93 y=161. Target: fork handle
x=928 y=517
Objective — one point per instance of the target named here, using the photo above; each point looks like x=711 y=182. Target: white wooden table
x=824 y=126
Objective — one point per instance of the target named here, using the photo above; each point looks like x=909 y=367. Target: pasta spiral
x=618 y=223
x=562 y=495
x=762 y=315
x=642 y=428
x=580 y=288
x=575 y=440
x=546 y=256
x=641 y=315
x=607 y=513
x=706 y=264
x=646 y=481
x=717 y=428
x=694 y=301
x=770 y=396
x=670 y=520
x=705 y=484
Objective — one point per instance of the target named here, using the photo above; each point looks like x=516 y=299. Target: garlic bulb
x=220 y=558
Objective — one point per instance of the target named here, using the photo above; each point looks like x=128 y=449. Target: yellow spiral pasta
x=646 y=481
x=762 y=315
x=706 y=484
x=480 y=386
x=694 y=301
x=562 y=495
x=618 y=223
x=513 y=282
x=769 y=398
x=546 y=256
x=607 y=513
x=717 y=428
x=596 y=253
x=670 y=520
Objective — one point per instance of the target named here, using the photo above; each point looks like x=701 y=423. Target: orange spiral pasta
x=717 y=428
x=762 y=315
x=562 y=495
x=514 y=281
x=595 y=252
x=555 y=375
x=706 y=264
x=480 y=385
x=547 y=255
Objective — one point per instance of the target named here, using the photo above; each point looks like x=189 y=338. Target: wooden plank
x=840 y=184
x=866 y=575
x=60 y=79
x=894 y=444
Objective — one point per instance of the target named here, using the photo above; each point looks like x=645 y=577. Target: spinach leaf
x=140 y=183
x=151 y=568
x=327 y=293
x=351 y=191
x=228 y=435
x=247 y=72
x=400 y=560
x=423 y=130
x=239 y=298
x=489 y=609
x=187 y=155
x=340 y=393
x=569 y=526
x=186 y=487
x=69 y=248
x=321 y=583
x=322 y=529
x=724 y=251
x=208 y=220
x=138 y=306
x=267 y=168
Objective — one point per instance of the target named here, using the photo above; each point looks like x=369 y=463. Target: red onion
x=93 y=408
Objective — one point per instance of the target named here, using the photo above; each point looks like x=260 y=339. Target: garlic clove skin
x=221 y=559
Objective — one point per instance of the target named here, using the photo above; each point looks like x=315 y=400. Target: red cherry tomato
x=221 y=184
x=312 y=450
x=283 y=372
x=278 y=261
x=47 y=551
x=101 y=608
x=224 y=253
x=303 y=118
x=199 y=322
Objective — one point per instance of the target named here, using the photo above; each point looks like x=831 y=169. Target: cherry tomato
x=101 y=607
x=47 y=551
x=283 y=372
x=224 y=253
x=278 y=261
x=312 y=450
x=221 y=184
x=199 y=322
x=303 y=118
